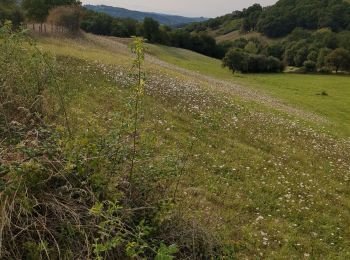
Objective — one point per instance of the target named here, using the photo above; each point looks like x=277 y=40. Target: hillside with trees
x=165 y=19
x=311 y=35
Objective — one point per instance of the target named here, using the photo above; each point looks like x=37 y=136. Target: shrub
x=324 y=70
x=274 y=65
x=338 y=59
x=236 y=60
x=310 y=66
x=257 y=63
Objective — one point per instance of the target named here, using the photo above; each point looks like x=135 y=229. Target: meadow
x=267 y=183
x=240 y=165
x=324 y=95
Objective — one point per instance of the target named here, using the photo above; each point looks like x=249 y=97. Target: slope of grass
x=267 y=185
x=302 y=91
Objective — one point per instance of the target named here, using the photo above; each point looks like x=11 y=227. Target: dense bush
x=239 y=60
x=236 y=60
x=338 y=59
x=310 y=66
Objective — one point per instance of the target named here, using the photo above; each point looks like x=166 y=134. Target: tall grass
x=63 y=190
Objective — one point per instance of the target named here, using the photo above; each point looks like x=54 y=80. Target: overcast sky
x=207 y=8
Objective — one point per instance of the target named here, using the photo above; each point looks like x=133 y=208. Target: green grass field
x=302 y=91
x=264 y=182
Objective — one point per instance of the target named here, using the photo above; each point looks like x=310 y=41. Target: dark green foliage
x=9 y=10
x=151 y=30
x=251 y=16
x=310 y=66
x=236 y=60
x=324 y=38
x=285 y=15
x=321 y=58
x=300 y=56
x=98 y=23
x=339 y=59
x=312 y=56
x=38 y=10
x=276 y=50
x=274 y=65
x=343 y=39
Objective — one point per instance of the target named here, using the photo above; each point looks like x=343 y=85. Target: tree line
x=282 y=18
x=103 y=24
x=319 y=51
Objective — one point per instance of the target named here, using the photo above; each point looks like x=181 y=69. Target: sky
x=192 y=8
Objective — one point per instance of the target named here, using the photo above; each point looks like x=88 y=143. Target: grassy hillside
x=301 y=91
x=249 y=172
x=252 y=180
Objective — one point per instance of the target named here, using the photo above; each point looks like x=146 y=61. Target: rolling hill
x=170 y=20
x=278 y=20
x=252 y=160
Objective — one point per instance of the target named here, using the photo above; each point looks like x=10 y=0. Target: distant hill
x=280 y=19
x=171 y=20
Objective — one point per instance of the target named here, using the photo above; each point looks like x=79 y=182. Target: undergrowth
x=68 y=194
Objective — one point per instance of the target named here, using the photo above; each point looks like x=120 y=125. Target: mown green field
x=302 y=91
x=262 y=181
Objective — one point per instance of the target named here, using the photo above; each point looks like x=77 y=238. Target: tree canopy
x=38 y=10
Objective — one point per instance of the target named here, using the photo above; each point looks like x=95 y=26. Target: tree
x=321 y=58
x=38 y=10
x=236 y=60
x=66 y=16
x=325 y=38
x=312 y=56
x=151 y=29
x=251 y=48
x=257 y=63
x=97 y=23
x=274 y=65
x=276 y=50
x=339 y=59
x=9 y=10
x=251 y=17
x=310 y=66
x=300 y=56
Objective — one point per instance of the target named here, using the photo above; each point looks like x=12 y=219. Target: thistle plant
x=138 y=49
